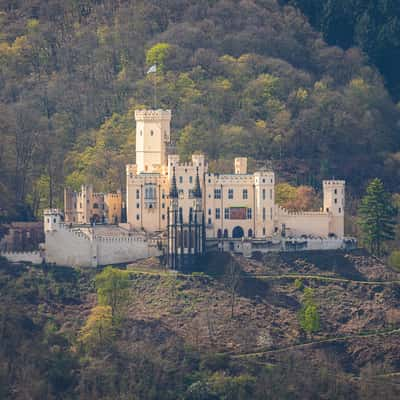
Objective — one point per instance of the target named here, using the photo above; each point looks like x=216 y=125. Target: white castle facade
x=174 y=203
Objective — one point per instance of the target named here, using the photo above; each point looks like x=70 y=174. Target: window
x=250 y=233
x=95 y=205
x=163 y=217
x=225 y=233
x=181 y=179
x=137 y=217
x=151 y=133
x=271 y=213
x=245 y=194
x=263 y=231
x=335 y=191
x=137 y=205
x=217 y=193
x=340 y=210
x=219 y=233
x=264 y=214
x=230 y=194
x=141 y=133
x=137 y=193
x=163 y=205
x=209 y=221
x=181 y=194
x=263 y=194
x=335 y=201
x=150 y=192
x=217 y=213
x=190 y=179
x=249 y=213
x=209 y=211
x=270 y=194
x=226 y=213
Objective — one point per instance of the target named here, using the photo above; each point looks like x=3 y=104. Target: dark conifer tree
x=376 y=216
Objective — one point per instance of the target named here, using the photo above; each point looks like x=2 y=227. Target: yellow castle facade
x=235 y=206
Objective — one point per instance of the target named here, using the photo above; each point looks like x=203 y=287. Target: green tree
x=98 y=329
x=157 y=55
x=309 y=318
x=376 y=217
x=112 y=289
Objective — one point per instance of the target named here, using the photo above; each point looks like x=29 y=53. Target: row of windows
x=225 y=233
x=227 y=213
x=245 y=194
x=138 y=217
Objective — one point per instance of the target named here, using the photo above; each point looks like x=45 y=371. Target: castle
x=185 y=208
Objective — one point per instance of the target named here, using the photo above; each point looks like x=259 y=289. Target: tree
x=98 y=329
x=376 y=217
x=309 y=316
x=232 y=280
x=112 y=289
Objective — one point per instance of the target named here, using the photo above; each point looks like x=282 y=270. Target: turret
x=334 y=203
x=152 y=135
x=52 y=219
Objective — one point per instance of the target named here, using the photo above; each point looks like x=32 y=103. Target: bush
x=394 y=260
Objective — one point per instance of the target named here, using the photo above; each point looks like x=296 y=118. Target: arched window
x=250 y=233
x=225 y=233
x=219 y=233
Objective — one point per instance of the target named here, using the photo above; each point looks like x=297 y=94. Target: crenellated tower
x=152 y=136
x=334 y=203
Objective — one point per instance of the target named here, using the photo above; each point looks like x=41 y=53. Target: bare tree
x=231 y=281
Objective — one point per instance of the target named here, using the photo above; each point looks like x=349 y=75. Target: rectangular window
x=209 y=221
x=230 y=194
x=271 y=213
x=340 y=210
x=249 y=213
x=335 y=191
x=263 y=231
x=217 y=213
x=181 y=179
x=226 y=213
x=190 y=179
x=209 y=211
x=263 y=194
x=137 y=194
x=335 y=201
x=181 y=194
x=270 y=194
x=264 y=214
x=245 y=194
x=217 y=193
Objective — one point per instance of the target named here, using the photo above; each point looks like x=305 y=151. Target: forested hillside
x=245 y=78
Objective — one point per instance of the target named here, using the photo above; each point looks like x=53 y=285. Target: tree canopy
x=249 y=78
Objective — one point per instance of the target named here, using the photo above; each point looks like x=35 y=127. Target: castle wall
x=34 y=257
x=303 y=223
x=76 y=248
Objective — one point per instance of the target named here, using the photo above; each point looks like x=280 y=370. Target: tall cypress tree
x=376 y=216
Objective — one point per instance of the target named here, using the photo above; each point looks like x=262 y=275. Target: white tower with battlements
x=334 y=203
x=152 y=135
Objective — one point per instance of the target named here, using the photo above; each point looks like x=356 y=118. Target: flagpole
x=155 y=89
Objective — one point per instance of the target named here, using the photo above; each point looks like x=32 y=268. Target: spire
x=197 y=188
x=173 y=193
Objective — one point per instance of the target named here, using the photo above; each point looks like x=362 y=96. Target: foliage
x=98 y=330
x=309 y=318
x=394 y=260
x=376 y=216
x=373 y=25
x=293 y=198
x=112 y=289
x=246 y=78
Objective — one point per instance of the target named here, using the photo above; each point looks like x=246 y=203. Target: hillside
x=179 y=339
x=247 y=78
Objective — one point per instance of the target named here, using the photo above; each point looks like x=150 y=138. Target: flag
x=152 y=69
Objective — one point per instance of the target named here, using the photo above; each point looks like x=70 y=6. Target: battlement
x=333 y=183
x=152 y=115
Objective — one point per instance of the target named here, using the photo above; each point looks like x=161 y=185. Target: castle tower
x=334 y=203
x=152 y=135
x=186 y=241
x=52 y=218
